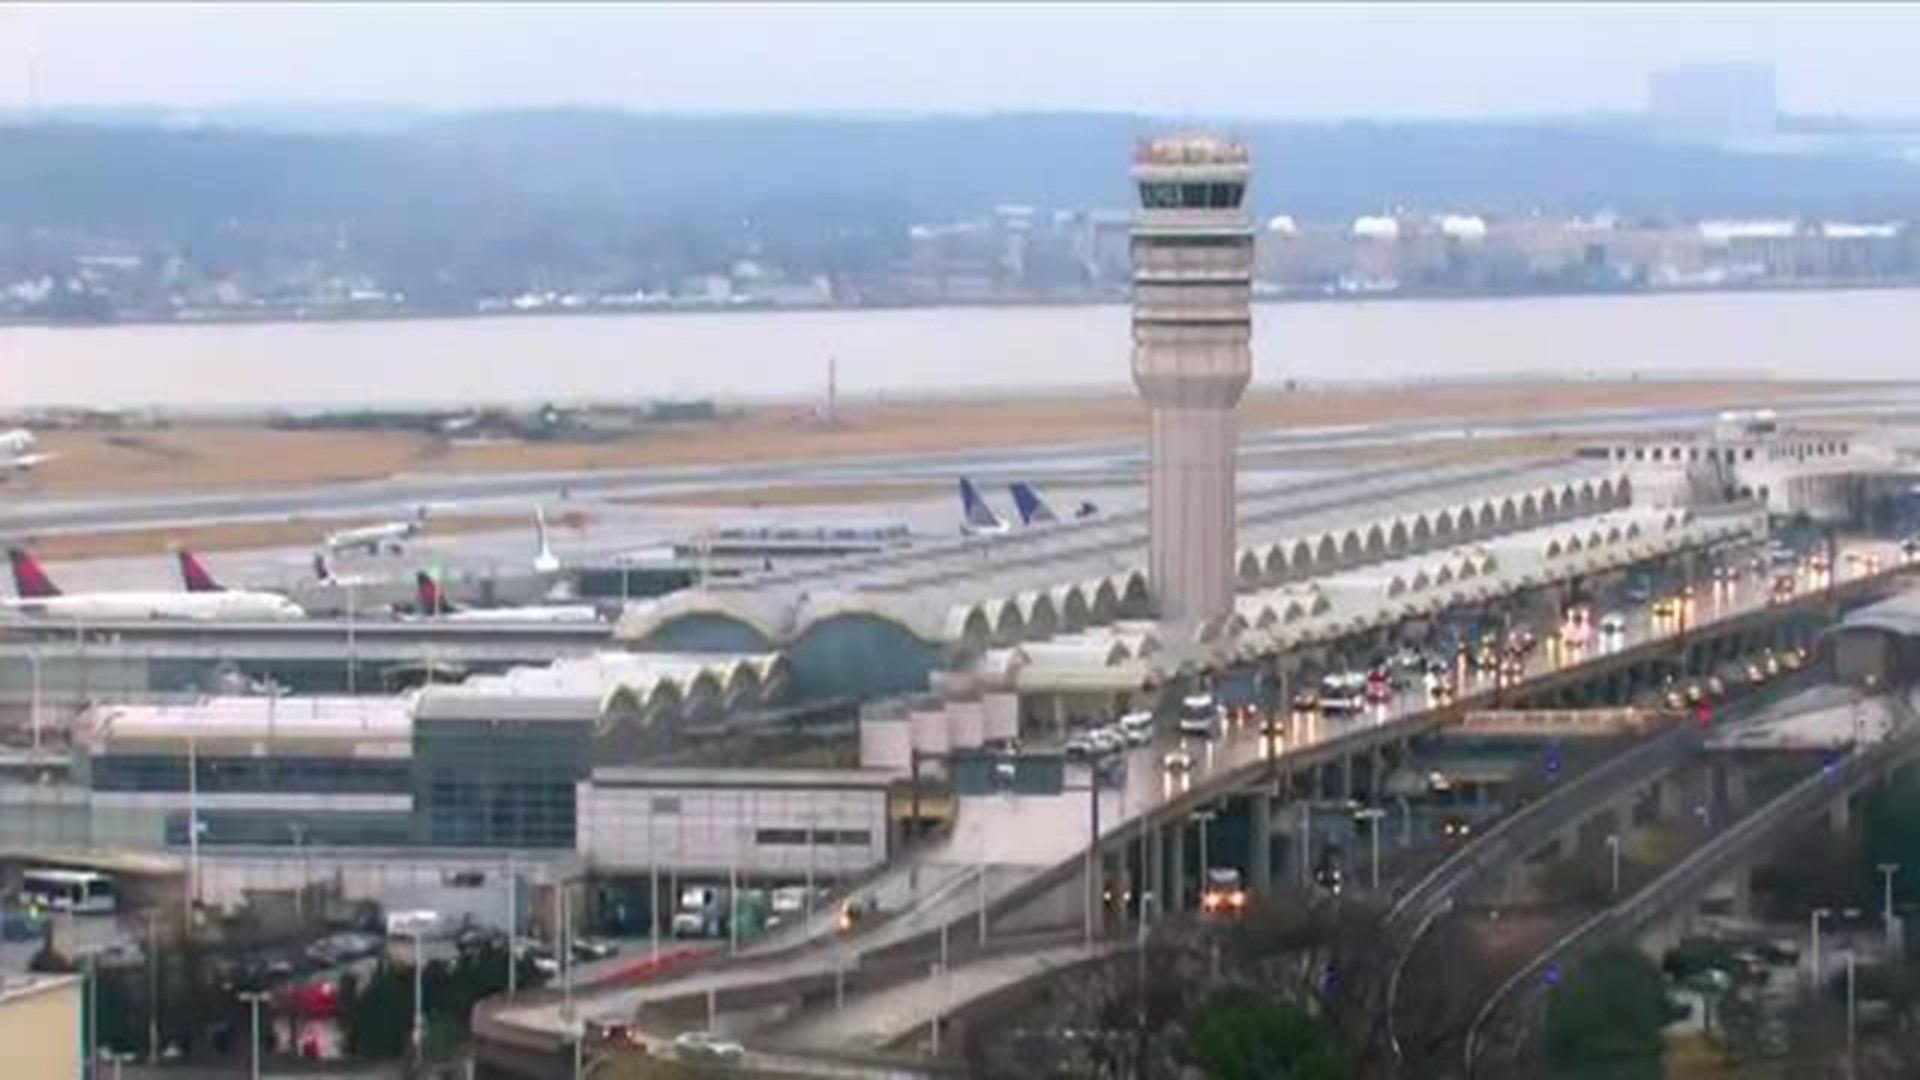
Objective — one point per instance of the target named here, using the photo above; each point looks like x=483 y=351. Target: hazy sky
x=1249 y=60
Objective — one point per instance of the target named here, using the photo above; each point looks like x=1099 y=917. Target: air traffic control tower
x=1192 y=325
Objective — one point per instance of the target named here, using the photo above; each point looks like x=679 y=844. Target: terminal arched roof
x=973 y=594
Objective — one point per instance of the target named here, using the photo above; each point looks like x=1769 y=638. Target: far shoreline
x=1405 y=296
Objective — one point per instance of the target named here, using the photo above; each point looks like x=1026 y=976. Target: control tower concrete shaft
x=1192 y=325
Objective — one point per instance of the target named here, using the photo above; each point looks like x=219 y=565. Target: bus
x=81 y=892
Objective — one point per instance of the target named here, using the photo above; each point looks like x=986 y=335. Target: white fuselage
x=550 y=613
x=372 y=537
x=109 y=606
x=19 y=450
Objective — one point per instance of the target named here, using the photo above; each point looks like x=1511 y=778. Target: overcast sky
x=1256 y=61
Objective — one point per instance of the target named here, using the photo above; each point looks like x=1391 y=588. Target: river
x=771 y=355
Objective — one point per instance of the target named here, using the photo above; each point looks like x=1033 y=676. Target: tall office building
x=1714 y=103
x=1192 y=324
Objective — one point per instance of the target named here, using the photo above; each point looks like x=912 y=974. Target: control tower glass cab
x=1192 y=327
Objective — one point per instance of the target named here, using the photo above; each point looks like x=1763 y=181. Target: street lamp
x=253 y=998
x=1372 y=815
x=1613 y=852
x=1813 y=921
x=1204 y=818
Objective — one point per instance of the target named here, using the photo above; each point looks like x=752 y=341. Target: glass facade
x=1167 y=195
x=251 y=775
x=497 y=783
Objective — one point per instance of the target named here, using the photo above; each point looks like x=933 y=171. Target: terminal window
x=821 y=837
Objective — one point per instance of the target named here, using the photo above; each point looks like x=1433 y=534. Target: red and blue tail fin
x=29 y=581
x=195 y=576
x=427 y=591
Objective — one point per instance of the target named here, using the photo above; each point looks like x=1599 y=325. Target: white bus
x=81 y=892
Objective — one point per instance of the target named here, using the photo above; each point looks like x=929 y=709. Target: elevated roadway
x=1503 y=1021
x=1152 y=803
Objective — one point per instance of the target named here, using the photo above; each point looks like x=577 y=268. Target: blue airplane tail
x=1033 y=509
x=974 y=511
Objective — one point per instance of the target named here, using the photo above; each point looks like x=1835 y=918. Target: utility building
x=1192 y=326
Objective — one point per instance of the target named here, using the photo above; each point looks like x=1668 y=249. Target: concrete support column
x=1260 y=836
x=1840 y=816
x=1735 y=786
x=1623 y=819
x=1567 y=844
x=1742 y=905
x=1177 y=871
x=1346 y=777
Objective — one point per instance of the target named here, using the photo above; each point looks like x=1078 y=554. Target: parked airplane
x=435 y=605
x=976 y=517
x=38 y=595
x=1034 y=509
x=391 y=536
x=20 y=451
x=323 y=573
x=544 y=560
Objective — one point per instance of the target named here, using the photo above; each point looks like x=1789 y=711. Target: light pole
x=419 y=998
x=1372 y=815
x=982 y=870
x=153 y=987
x=253 y=998
x=812 y=819
x=353 y=652
x=513 y=927
x=300 y=891
x=1813 y=921
x=653 y=902
x=1887 y=870
x=193 y=822
x=1205 y=818
x=1306 y=843
x=1852 y=1014
x=33 y=662
x=1613 y=853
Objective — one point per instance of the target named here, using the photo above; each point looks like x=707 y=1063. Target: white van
x=1137 y=728
x=415 y=924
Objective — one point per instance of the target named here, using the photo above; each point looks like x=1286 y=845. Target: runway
x=622 y=520
x=27 y=515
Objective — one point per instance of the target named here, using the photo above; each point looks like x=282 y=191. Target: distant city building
x=1713 y=102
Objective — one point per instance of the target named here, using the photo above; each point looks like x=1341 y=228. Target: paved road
x=874 y=1021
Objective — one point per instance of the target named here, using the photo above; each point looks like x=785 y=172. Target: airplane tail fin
x=321 y=571
x=195 y=576
x=29 y=581
x=543 y=557
x=974 y=511
x=427 y=590
x=1033 y=509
